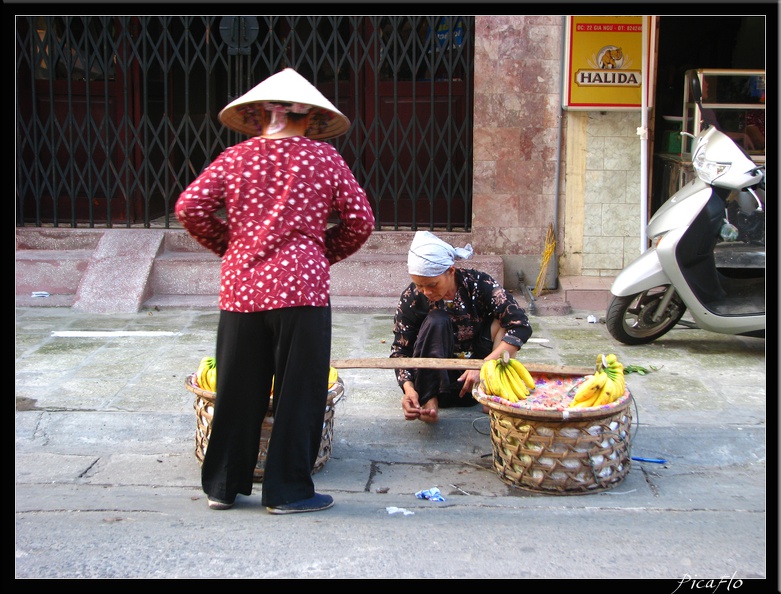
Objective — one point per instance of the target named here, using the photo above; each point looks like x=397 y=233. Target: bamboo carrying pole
x=433 y=363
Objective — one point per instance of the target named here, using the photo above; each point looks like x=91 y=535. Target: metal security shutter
x=117 y=114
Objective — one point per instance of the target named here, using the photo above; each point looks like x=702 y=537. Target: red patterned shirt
x=275 y=242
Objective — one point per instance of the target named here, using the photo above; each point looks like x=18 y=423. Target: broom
x=550 y=247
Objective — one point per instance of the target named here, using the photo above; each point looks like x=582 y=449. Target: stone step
x=185 y=273
x=587 y=292
x=360 y=275
x=123 y=269
x=379 y=242
x=94 y=270
x=378 y=269
x=52 y=261
x=117 y=277
x=56 y=272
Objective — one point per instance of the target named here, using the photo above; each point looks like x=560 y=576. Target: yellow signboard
x=604 y=62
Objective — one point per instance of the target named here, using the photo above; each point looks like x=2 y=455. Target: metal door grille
x=117 y=114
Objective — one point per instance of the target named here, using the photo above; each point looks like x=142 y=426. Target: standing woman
x=278 y=189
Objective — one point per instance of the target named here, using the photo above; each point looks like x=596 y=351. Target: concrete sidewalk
x=108 y=485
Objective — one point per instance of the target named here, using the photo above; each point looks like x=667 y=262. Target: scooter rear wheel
x=631 y=319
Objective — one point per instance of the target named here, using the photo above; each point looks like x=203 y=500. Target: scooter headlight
x=709 y=171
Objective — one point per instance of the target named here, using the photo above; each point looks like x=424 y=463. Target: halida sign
x=604 y=68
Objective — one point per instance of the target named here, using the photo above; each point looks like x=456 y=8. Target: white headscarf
x=430 y=256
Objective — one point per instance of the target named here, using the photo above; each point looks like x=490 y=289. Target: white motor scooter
x=696 y=261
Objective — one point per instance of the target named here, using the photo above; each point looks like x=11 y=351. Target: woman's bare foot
x=430 y=411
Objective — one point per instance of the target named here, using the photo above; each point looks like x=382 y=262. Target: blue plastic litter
x=432 y=494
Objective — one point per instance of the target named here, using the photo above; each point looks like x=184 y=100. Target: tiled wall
x=611 y=218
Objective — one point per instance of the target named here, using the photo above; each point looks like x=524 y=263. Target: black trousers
x=292 y=345
x=436 y=340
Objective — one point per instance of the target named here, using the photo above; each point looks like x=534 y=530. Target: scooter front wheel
x=635 y=319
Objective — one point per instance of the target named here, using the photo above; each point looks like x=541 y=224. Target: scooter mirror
x=696 y=90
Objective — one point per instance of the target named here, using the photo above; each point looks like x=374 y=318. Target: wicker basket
x=204 y=409
x=561 y=451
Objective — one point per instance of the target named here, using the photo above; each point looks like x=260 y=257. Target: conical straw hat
x=243 y=114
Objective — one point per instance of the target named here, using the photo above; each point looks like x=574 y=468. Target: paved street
x=107 y=484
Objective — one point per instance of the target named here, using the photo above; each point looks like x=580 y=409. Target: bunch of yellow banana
x=507 y=378
x=333 y=376
x=605 y=386
x=206 y=376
